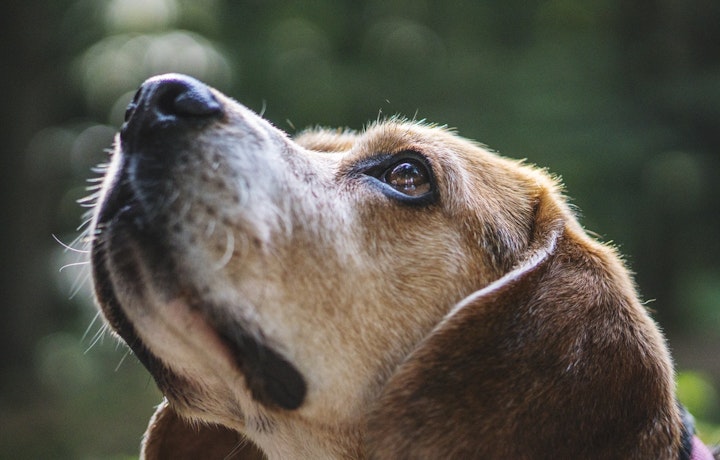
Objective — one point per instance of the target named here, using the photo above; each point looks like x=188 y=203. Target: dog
x=399 y=292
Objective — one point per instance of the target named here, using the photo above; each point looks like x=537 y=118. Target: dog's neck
x=298 y=439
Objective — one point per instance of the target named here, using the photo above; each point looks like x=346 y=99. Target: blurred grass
x=697 y=393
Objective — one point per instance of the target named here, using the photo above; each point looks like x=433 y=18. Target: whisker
x=97 y=337
x=172 y=198
x=74 y=264
x=100 y=168
x=68 y=247
x=210 y=229
x=92 y=323
x=82 y=226
x=89 y=204
x=122 y=360
x=82 y=278
x=235 y=449
x=84 y=238
x=229 y=250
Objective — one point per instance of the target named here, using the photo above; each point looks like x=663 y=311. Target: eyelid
x=377 y=165
x=366 y=166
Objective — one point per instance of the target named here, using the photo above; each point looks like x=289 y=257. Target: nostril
x=185 y=97
x=197 y=102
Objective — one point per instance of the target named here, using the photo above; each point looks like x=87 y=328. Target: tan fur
x=484 y=325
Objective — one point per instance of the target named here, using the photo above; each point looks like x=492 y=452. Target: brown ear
x=557 y=359
x=169 y=436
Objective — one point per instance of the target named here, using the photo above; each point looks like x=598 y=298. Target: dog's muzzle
x=131 y=236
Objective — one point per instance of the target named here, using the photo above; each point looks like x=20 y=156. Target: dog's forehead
x=327 y=140
x=438 y=144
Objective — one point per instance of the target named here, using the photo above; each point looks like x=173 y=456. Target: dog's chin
x=136 y=280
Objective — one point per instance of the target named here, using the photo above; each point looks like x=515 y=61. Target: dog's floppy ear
x=170 y=436
x=556 y=359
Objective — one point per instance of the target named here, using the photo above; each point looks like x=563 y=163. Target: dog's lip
x=270 y=377
x=126 y=241
x=110 y=304
x=184 y=323
x=121 y=199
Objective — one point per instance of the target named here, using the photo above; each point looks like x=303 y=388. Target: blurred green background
x=620 y=98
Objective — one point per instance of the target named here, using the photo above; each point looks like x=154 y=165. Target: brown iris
x=409 y=177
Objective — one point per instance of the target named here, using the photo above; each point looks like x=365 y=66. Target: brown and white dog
x=395 y=293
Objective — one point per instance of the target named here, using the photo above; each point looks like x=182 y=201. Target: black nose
x=170 y=99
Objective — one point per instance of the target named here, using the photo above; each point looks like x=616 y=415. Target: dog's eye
x=406 y=177
x=409 y=176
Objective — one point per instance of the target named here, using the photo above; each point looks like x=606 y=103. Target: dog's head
x=396 y=292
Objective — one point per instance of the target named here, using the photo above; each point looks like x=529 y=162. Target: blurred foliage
x=700 y=397
x=622 y=99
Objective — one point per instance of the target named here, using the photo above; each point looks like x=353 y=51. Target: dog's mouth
x=134 y=269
